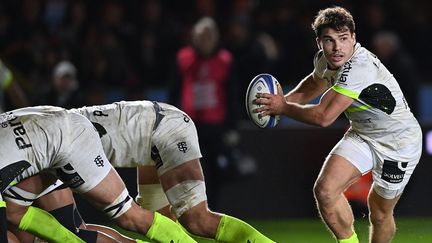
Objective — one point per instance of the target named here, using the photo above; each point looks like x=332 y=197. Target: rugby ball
x=262 y=83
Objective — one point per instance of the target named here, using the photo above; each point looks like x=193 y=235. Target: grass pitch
x=418 y=230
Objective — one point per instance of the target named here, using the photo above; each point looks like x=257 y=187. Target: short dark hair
x=337 y=18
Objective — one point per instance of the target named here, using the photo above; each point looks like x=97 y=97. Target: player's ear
x=318 y=43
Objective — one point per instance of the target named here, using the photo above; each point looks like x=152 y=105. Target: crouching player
x=144 y=133
x=65 y=144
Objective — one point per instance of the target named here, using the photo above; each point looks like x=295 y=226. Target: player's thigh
x=350 y=158
x=379 y=206
x=190 y=170
x=185 y=188
x=175 y=142
x=106 y=191
x=55 y=199
x=336 y=175
x=37 y=184
x=21 y=196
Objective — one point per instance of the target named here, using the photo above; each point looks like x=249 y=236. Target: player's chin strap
x=119 y=206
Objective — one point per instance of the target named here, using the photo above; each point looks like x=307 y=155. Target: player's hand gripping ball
x=262 y=83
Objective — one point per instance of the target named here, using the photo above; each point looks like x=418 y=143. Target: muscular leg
x=35 y=184
x=34 y=220
x=61 y=198
x=336 y=175
x=61 y=204
x=383 y=226
x=199 y=220
x=135 y=218
x=153 y=198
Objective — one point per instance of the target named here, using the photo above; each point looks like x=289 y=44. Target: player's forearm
x=310 y=114
x=307 y=90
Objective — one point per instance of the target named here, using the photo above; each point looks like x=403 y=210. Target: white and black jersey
x=143 y=133
x=379 y=114
x=46 y=138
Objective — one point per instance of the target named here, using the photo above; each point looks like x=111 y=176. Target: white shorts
x=85 y=164
x=65 y=144
x=174 y=141
x=390 y=173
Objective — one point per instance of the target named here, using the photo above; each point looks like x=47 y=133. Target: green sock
x=231 y=229
x=352 y=239
x=141 y=241
x=44 y=225
x=165 y=230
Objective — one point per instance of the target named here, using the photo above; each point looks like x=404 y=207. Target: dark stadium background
x=36 y=34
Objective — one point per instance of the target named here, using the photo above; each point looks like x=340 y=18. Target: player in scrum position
x=384 y=136
x=52 y=140
x=160 y=136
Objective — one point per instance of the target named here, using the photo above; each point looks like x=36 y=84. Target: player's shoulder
x=362 y=58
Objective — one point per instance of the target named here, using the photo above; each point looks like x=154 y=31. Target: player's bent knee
x=323 y=193
x=186 y=195
x=380 y=218
x=122 y=203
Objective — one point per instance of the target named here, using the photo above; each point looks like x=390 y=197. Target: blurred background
x=72 y=53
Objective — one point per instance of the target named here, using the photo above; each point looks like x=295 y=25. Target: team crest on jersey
x=99 y=161
x=182 y=147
